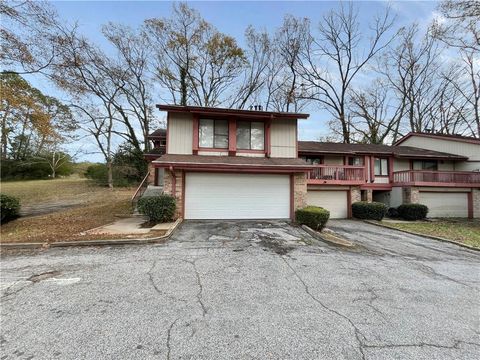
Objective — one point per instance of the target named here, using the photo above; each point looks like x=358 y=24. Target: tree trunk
x=110 y=174
x=183 y=86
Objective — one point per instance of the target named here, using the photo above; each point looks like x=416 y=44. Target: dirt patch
x=43 y=276
x=275 y=245
x=48 y=207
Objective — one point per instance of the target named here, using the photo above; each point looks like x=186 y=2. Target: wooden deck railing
x=141 y=189
x=336 y=174
x=448 y=178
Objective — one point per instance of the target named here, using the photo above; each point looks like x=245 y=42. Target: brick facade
x=178 y=193
x=151 y=174
x=355 y=194
x=411 y=195
x=299 y=191
x=476 y=203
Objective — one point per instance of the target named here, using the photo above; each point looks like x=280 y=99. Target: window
x=250 y=135
x=355 y=161
x=425 y=165
x=381 y=167
x=213 y=134
x=313 y=160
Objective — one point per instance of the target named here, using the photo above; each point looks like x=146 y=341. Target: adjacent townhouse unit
x=248 y=164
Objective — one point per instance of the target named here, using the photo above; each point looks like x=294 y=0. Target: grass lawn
x=98 y=206
x=460 y=230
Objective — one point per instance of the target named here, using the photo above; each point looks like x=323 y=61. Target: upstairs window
x=213 y=134
x=250 y=135
x=355 y=161
x=381 y=167
x=313 y=160
x=425 y=165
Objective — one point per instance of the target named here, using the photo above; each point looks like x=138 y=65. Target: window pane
x=417 y=165
x=221 y=141
x=205 y=133
x=243 y=135
x=221 y=127
x=377 y=167
x=355 y=161
x=430 y=165
x=384 y=167
x=257 y=136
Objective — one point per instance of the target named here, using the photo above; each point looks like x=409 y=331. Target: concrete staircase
x=152 y=190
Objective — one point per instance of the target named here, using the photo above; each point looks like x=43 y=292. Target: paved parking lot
x=242 y=290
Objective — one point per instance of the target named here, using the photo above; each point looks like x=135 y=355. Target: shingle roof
x=158 y=133
x=231 y=161
x=461 y=138
x=235 y=112
x=363 y=149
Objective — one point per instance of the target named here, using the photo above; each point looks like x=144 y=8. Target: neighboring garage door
x=443 y=204
x=334 y=201
x=237 y=196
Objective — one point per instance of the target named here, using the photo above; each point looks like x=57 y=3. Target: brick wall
x=178 y=193
x=355 y=194
x=476 y=203
x=411 y=195
x=151 y=174
x=299 y=191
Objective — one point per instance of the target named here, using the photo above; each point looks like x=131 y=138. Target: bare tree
x=194 y=62
x=334 y=58
x=376 y=114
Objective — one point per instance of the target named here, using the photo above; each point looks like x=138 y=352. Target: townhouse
x=248 y=164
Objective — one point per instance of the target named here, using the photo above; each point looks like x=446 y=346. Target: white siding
x=401 y=164
x=446 y=166
x=180 y=133
x=283 y=138
x=333 y=160
x=213 y=153
x=250 y=154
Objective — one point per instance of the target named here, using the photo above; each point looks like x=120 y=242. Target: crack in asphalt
x=199 y=294
x=169 y=337
x=428 y=270
x=455 y=345
x=160 y=292
x=352 y=324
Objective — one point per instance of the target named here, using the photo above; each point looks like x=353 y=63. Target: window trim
x=422 y=161
x=388 y=166
x=214 y=134
x=250 y=150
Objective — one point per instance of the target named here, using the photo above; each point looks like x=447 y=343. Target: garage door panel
x=237 y=196
x=445 y=204
x=334 y=201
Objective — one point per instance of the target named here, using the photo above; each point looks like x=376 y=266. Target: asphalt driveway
x=242 y=290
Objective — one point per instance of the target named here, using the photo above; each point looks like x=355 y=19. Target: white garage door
x=334 y=201
x=445 y=204
x=237 y=196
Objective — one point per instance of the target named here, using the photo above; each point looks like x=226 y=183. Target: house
x=248 y=164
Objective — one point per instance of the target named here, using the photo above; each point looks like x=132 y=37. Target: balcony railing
x=437 y=178
x=336 y=174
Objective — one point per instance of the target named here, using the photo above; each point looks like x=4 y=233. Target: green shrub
x=9 y=207
x=392 y=213
x=313 y=216
x=413 y=211
x=370 y=211
x=99 y=174
x=158 y=208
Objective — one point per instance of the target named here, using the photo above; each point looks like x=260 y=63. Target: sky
x=232 y=18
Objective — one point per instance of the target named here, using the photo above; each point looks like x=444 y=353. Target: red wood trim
x=250 y=151
x=232 y=137
x=334 y=182
x=349 y=203
x=292 y=197
x=434 y=184
x=296 y=137
x=195 y=134
x=390 y=169
x=168 y=127
x=183 y=195
x=268 y=142
x=365 y=164
x=372 y=169
x=212 y=149
x=345 y=160
x=155 y=177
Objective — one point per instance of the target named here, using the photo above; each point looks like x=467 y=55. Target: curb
x=318 y=236
x=423 y=235
x=47 y=245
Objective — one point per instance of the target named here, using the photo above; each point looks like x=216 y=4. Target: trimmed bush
x=313 y=216
x=369 y=211
x=158 y=208
x=9 y=207
x=393 y=213
x=413 y=211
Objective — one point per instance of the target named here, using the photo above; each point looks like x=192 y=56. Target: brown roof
x=233 y=162
x=201 y=110
x=159 y=133
x=316 y=147
x=461 y=138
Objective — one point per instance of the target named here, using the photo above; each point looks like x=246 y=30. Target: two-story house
x=244 y=164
